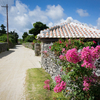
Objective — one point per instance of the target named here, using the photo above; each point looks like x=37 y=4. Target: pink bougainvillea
x=59 y=87
x=86 y=85
x=49 y=47
x=88 y=81
x=47 y=81
x=89 y=55
x=94 y=42
x=61 y=57
x=63 y=49
x=60 y=41
x=72 y=56
x=44 y=51
x=58 y=79
x=47 y=87
x=66 y=45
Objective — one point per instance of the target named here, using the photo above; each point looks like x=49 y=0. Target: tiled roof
x=71 y=30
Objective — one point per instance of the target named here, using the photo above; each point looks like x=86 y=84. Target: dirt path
x=13 y=66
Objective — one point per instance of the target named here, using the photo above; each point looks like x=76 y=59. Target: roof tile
x=71 y=30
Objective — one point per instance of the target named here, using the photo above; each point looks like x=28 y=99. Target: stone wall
x=48 y=61
x=37 y=48
x=28 y=45
x=3 y=47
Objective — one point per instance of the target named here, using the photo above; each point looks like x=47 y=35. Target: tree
x=2 y=31
x=29 y=38
x=13 y=36
x=24 y=35
x=38 y=26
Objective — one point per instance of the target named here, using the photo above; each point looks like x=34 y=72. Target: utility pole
x=7 y=22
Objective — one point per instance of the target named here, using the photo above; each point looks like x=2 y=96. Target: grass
x=35 y=78
x=2 y=42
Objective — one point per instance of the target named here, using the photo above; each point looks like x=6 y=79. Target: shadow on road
x=3 y=54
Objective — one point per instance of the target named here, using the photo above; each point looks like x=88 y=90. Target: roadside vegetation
x=34 y=86
x=13 y=36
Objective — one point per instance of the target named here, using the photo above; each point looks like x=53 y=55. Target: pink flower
x=88 y=81
x=45 y=51
x=60 y=41
x=47 y=87
x=61 y=57
x=58 y=79
x=66 y=45
x=50 y=47
x=89 y=55
x=72 y=56
x=63 y=49
x=86 y=85
x=47 y=81
x=94 y=42
x=59 y=87
x=32 y=43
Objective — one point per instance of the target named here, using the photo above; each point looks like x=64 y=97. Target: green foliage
x=38 y=26
x=7 y=49
x=3 y=38
x=29 y=38
x=13 y=36
x=69 y=44
x=24 y=35
x=2 y=31
x=20 y=41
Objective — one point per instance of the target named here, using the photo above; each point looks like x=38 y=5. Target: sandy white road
x=13 y=66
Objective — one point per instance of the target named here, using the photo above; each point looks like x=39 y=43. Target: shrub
x=80 y=81
x=29 y=38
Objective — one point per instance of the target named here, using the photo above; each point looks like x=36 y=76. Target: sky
x=23 y=13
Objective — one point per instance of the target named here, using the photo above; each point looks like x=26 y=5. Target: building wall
x=3 y=47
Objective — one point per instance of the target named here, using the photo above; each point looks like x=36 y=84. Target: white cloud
x=3 y=3
x=82 y=13
x=67 y=20
x=98 y=23
x=55 y=12
x=21 y=18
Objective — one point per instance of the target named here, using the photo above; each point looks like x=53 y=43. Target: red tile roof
x=71 y=30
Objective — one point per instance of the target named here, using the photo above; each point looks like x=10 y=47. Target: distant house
x=64 y=31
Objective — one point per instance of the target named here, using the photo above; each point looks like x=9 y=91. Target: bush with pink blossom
x=80 y=81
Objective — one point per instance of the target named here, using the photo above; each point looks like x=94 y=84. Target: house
x=64 y=31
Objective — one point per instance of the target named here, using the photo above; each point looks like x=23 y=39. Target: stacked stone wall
x=3 y=47
x=48 y=61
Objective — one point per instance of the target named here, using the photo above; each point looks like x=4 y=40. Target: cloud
x=67 y=20
x=82 y=13
x=55 y=12
x=3 y=3
x=98 y=23
x=21 y=18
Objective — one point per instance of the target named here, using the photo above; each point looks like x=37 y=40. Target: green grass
x=35 y=78
x=1 y=42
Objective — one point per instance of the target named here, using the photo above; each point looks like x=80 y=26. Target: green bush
x=3 y=38
x=29 y=38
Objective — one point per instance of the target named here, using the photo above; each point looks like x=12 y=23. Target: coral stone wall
x=48 y=61
x=3 y=47
x=28 y=45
